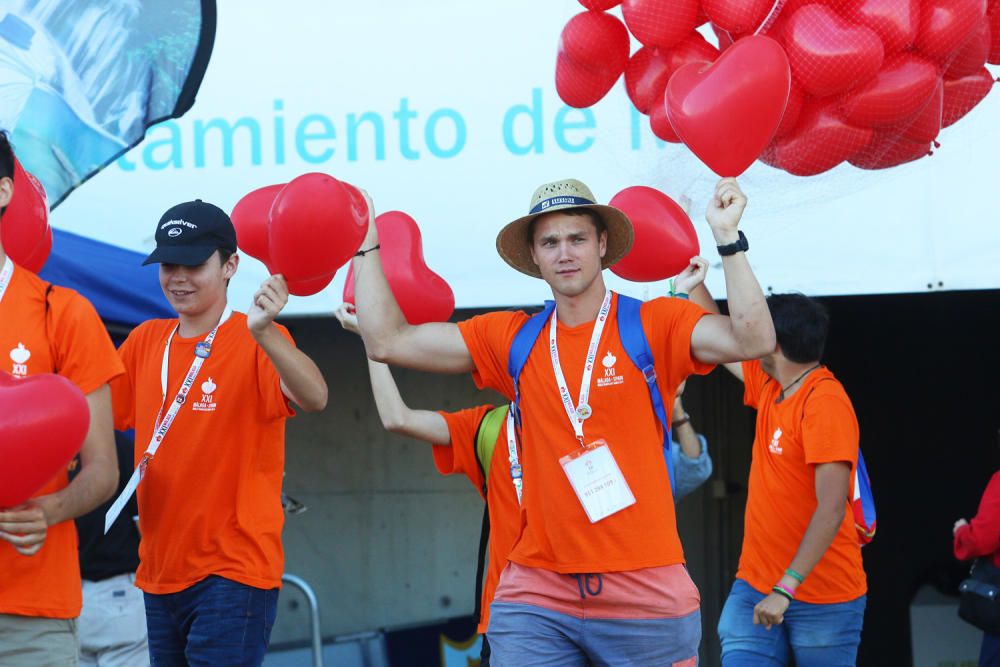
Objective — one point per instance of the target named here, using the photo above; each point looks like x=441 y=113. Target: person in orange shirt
x=597 y=571
x=800 y=586
x=49 y=329
x=209 y=393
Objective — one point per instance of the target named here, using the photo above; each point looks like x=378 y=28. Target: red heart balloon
x=727 y=112
x=24 y=229
x=422 y=295
x=600 y=5
x=887 y=149
x=592 y=54
x=737 y=16
x=580 y=86
x=821 y=141
x=962 y=95
x=897 y=93
x=660 y=124
x=665 y=240
x=42 y=426
x=925 y=127
x=971 y=57
x=309 y=286
x=649 y=69
x=316 y=225
x=250 y=217
x=793 y=110
x=994 y=19
x=661 y=23
x=945 y=26
x=895 y=21
x=829 y=55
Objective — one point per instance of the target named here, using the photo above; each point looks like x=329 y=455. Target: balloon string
x=771 y=17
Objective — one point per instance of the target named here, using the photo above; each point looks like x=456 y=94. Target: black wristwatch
x=741 y=245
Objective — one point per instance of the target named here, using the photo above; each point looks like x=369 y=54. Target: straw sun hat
x=514 y=245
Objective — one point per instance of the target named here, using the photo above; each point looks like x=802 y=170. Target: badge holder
x=597 y=480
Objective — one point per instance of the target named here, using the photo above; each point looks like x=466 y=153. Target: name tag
x=597 y=480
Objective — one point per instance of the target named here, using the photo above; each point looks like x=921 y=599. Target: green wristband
x=795 y=575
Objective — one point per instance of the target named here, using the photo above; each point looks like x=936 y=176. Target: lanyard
x=161 y=426
x=515 y=465
x=582 y=410
x=5 y=274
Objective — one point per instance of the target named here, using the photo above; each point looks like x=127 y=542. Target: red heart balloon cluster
x=42 y=426
x=422 y=295
x=24 y=229
x=304 y=230
x=872 y=81
x=665 y=239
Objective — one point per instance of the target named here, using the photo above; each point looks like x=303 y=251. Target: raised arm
x=396 y=415
x=301 y=379
x=437 y=346
x=747 y=333
x=701 y=296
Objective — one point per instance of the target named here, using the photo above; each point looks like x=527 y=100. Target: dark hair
x=595 y=219
x=6 y=156
x=225 y=254
x=801 y=325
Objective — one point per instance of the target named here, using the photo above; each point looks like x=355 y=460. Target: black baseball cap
x=189 y=233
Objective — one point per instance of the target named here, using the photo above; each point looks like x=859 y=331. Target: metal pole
x=316 y=635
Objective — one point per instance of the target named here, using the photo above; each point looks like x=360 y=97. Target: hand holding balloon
x=268 y=301
x=348 y=318
x=692 y=276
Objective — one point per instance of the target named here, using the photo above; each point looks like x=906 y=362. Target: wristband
x=795 y=575
x=740 y=245
x=362 y=253
x=679 y=295
x=784 y=592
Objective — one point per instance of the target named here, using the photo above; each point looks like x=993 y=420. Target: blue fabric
x=989 y=652
x=524 y=634
x=818 y=635
x=213 y=623
x=691 y=473
x=113 y=279
x=521 y=348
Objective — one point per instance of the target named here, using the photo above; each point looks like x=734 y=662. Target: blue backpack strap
x=637 y=348
x=521 y=348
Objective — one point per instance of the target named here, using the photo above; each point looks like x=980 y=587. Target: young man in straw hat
x=597 y=573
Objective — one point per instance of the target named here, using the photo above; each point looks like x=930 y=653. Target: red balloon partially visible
x=42 y=426
x=592 y=54
x=727 y=112
x=962 y=95
x=600 y=5
x=308 y=286
x=886 y=149
x=661 y=23
x=737 y=16
x=250 y=216
x=665 y=239
x=24 y=229
x=422 y=295
x=580 y=86
x=316 y=225
x=994 y=56
x=897 y=93
x=924 y=128
x=945 y=25
x=821 y=141
x=660 y=124
x=972 y=55
x=895 y=21
x=649 y=69
x=828 y=54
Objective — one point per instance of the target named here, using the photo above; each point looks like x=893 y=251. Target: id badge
x=598 y=481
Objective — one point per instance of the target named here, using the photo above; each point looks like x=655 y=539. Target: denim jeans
x=818 y=635
x=216 y=622
x=523 y=634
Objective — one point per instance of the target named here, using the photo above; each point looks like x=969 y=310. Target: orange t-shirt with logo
x=814 y=425
x=501 y=498
x=556 y=533
x=69 y=340
x=210 y=501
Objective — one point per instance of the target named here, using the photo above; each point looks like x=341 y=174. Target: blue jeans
x=216 y=622
x=524 y=634
x=818 y=635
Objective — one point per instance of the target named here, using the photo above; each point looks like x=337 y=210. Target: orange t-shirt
x=814 y=425
x=72 y=342
x=210 y=502
x=501 y=498
x=557 y=535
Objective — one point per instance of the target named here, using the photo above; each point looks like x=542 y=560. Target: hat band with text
x=563 y=200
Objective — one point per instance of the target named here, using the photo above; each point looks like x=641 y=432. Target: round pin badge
x=583 y=411
x=202 y=350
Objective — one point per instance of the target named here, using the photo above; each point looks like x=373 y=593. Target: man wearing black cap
x=208 y=395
